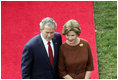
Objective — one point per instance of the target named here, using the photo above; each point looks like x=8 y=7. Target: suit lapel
x=55 y=51
x=43 y=51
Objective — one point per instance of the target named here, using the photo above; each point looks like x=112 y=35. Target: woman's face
x=71 y=36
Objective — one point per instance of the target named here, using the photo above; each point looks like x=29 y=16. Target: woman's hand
x=67 y=77
x=88 y=74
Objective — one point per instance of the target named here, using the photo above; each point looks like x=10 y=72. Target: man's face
x=48 y=32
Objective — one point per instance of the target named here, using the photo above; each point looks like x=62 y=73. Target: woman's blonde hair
x=71 y=25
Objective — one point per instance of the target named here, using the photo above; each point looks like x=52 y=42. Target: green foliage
x=105 y=16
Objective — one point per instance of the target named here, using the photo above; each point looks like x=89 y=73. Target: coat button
x=76 y=72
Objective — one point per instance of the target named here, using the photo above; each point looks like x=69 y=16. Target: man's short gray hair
x=49 y=22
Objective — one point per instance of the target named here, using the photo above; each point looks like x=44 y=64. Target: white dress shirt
x=45 y=42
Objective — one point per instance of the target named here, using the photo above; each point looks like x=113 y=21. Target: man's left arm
x=26 y=63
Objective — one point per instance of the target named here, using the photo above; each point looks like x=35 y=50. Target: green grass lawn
x=105 y=16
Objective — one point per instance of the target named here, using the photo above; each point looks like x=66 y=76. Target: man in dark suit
x=40 y=54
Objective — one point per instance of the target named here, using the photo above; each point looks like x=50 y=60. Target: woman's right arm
x=61 y=66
